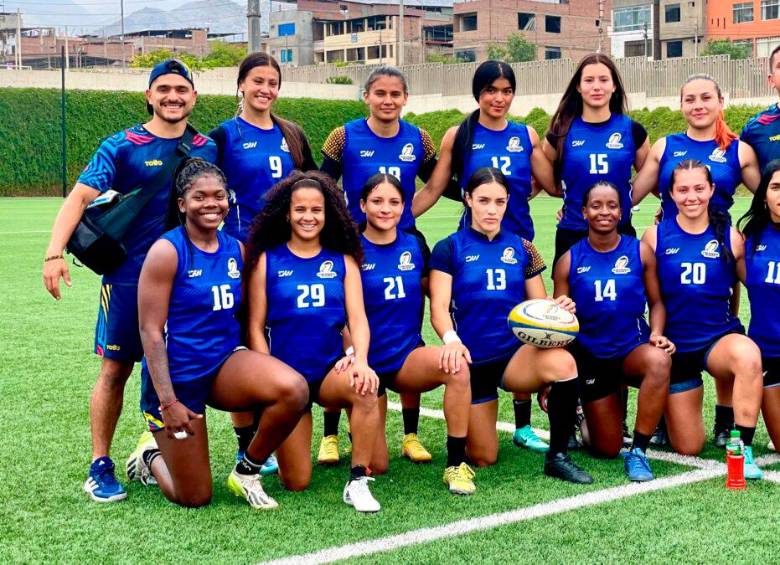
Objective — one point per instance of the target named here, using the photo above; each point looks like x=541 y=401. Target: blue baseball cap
x=171 y=67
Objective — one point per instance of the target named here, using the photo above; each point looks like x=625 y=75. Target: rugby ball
x=542 y=323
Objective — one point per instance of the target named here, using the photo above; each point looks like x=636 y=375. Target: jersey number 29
x=311 y=295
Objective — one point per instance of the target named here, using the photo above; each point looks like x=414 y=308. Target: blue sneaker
x=752 y=471
x=636 y=466
x=101 y=484
x=269 y=467
x=526 y=437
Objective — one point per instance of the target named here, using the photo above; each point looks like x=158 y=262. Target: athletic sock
x=150 y=455
x=331 y=420
x=724 y=417
x=456 y=451
x=561 y=409
x=244 y=436
x=522 y=413
x=746 y=434
x=624 y=398
x=640 y=441
x=248 y=467
x=357 y=471
x=411 y=419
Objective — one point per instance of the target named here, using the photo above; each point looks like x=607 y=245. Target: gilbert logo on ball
x=542 y=323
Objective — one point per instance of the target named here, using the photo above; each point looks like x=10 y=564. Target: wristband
x=53 y=257
x=349 y=351
x=164 y=407
x=450 y=337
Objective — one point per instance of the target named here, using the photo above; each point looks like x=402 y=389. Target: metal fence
x=745 y=78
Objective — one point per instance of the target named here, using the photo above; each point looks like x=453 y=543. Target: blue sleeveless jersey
x=202 y=329
x=306 y=309
x=392 y=293
x=696 y=281
x=509 y=151
x=366 y=154
x=128 y=160
x=488 y=280
x=592 y=153
x=762 y=259
x=762 y=133
x=253 y=160
x=724 y=167
x=609 y=291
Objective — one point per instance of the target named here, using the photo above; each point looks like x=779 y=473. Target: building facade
x=755 y=22
x=634 y=29
x=291 y=37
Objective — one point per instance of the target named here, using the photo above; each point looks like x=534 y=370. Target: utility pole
x=18 y=39
x=253 y=29
x=380 y=46
x=122 y=31
x=599 y=26
x=400 y=30
x=645 y=42
x=67 y=52
x=696 y=37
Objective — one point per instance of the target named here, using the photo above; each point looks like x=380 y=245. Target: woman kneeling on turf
x=697 y=252
x=304 y=287
x=612 y=277
x=188 y=295
x=478 y=275
x=395 y=278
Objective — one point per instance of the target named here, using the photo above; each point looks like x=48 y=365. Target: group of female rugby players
x=314 y=293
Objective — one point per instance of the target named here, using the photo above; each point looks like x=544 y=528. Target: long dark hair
x=188 y=171
x=485 y=75
x=485 y=175
x=271 y=226
x=757 y=217
x=570 y=106
x=719 y=220
x=291 y=131
x=380 y=178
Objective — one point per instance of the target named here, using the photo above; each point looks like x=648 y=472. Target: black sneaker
x=659 y=437
x=721 y=436
x=574 y=443
x=560 y=466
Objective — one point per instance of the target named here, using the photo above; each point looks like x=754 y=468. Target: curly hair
x=188 y=171
x=271 y=226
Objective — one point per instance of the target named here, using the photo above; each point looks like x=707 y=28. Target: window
x=770 y=9
x=526 y=22
x=637 y=48
x=632 y=18
x=286 y=56
x=673 y=49
x=552 y=52
x=466 y=55
x=742 y=12
x=468 y=22
x=376 y=22
x=334 y=56
x=672 y=13
x=286 y=29
x=356 y=54
x=356 y=26
x=552 y=24
x=373 y=52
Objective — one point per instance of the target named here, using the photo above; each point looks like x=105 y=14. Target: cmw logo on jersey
x=407 y=153
x=578 y=142
x=284 y=146
x=192 y=273
x=621 y=266
x=509 y=256
x=249 y=145
x=326 y=270
x=233 y=271
x=366 y=153
x=405 y=262
x=679 y=153
x=284 y=273
x=477 y=146
x=368 y=266
x=760 y=247
x=514 y=145
x=615 y=141
x=581 y=270
x=672 y=251
x=718 y=155
x=472 y=258
x=711 y=249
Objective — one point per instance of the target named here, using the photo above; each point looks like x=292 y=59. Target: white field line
x=24 y=232
x=768 y=459
x=462 y=527
x=773 y=476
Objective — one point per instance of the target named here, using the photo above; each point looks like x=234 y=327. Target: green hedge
x=30 y=127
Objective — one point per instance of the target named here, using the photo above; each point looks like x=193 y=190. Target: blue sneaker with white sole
x=752 y=471
x=101 y=484
x=269 y=467
x=637 y=466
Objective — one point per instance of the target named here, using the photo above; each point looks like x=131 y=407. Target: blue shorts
x=116 y=335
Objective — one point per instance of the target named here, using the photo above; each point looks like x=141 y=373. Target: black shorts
x=316 y=384
x=486 y=379
x=687 y=366
x=387 y=378
x=565 y=239
x=771 y=371
x=598 y=377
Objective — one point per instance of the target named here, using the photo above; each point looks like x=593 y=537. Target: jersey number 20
x=693 y=273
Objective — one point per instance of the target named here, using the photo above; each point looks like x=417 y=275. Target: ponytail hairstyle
x=757 y=217
x=291 y=131
x=723 y=134
x=189 y=171
x=482 y=176
x=381 y=178
x=485 y=75
x=719 y=219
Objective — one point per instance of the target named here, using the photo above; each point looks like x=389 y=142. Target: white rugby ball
x=542 y=323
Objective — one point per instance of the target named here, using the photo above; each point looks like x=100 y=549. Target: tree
x=224 y=55
x=516 y=50
x=150 y=59
x=445 y=59
x=726 y=47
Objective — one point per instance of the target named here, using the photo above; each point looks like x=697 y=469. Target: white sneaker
x=136 y=468
x=250 y=488
x=356 y=494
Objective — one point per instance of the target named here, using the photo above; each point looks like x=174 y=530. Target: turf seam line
x=491 y=521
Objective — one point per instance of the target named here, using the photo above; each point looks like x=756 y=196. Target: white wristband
x=349 y=351
x=450 y=337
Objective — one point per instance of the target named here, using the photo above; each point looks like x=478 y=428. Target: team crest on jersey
x=514 y=145
x=621 y=266
x=710 y=250
x=509 y=256
x=405 y=262
x=761 y=247
x=615 y=141
x=407 y=153
x=718 y=155
x=233 y=271
x=577 y=142
x=284 y=146
x=326 y=270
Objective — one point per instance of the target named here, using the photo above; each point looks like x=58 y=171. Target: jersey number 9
x=275 y=162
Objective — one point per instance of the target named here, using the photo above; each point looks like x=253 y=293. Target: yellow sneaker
x=460 y=479
x=329 y=451
x=414 y=450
